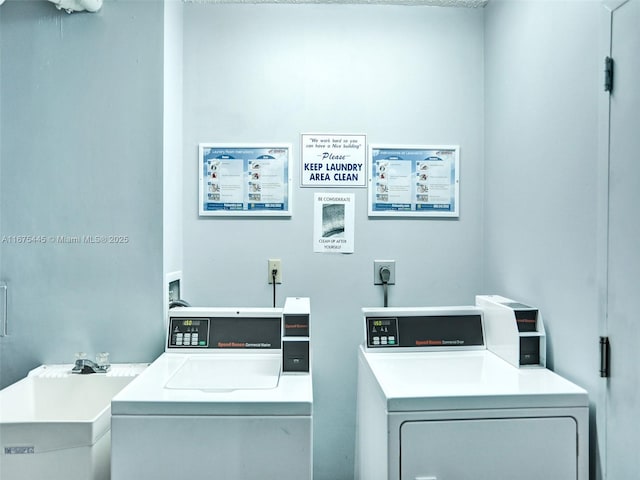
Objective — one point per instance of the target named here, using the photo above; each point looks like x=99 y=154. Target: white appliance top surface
x=236 y=383
x=225 y=373
x=467 y=380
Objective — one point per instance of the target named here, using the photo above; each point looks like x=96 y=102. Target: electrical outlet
x=275 y=264
x=377 y=265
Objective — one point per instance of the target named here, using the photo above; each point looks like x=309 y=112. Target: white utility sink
x=56 y=425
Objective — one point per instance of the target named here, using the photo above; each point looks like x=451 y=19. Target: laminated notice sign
x=333 y=160
x=334 y=219
x=414 y=181
x=244 y=180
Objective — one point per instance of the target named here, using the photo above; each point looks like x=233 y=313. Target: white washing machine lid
x=425 y=381
x=224 y=373
x=235 y=383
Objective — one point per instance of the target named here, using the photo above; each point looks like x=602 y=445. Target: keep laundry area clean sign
x=333 y=160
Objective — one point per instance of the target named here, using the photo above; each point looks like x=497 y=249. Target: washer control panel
x=223 y=329
x=189 y=332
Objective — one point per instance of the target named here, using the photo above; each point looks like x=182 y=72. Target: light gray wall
x=81 y=155
x=543 y=78
x=397 y=74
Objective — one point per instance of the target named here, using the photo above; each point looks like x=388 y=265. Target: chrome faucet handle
x=85 y=366
x=102 y=359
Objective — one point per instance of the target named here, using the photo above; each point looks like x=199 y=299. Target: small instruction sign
x=333 y=160
x=334 y=222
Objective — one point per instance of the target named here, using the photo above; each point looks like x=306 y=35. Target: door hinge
x=4 y=311
x=605 y=357
x=608 y=74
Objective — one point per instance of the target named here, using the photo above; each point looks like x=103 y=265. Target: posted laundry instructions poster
x=414 y=181
x=333 y=223
x=244 y=180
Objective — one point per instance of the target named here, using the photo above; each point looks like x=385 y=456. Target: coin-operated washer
x=221 y=402
x=433 y=403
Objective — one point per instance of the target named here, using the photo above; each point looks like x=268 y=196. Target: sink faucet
x=86 y=366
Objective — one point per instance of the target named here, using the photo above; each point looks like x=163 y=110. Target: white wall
x=81 y=154
x=543 y=78
x=400 y=75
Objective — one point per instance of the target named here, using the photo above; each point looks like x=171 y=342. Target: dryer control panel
x=424 y=328
x=382 y=331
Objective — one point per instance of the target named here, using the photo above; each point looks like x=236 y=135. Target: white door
x=623 y=320
x=490 y=449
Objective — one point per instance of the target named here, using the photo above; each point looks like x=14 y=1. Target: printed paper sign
x=333 y=226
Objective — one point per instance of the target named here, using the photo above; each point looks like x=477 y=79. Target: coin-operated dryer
x=433 y=403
